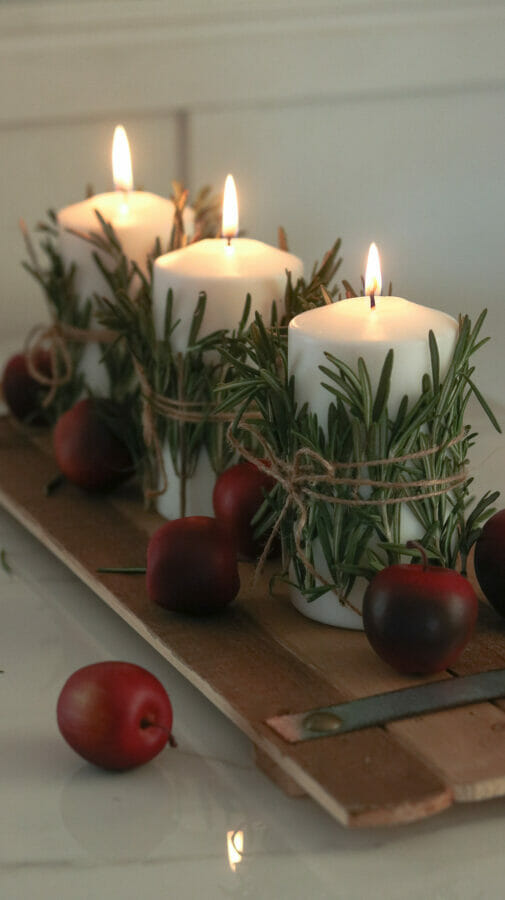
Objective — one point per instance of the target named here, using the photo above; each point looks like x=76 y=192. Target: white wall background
x=368 y=119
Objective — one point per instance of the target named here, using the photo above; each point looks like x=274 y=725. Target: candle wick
x=228 y=240
x=372 y=300
x=125 y=200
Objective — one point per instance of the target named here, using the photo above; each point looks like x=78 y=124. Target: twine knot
x=301 y=478
x=55 y=337
x=178 y=410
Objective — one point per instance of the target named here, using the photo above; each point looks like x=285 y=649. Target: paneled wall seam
x=58 y=19
x=75 y=76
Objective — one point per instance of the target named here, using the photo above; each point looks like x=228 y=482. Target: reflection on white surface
x=235 y=848
x=108 y=827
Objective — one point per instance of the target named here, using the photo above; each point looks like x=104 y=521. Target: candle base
x=328 y=610
x=199 y=489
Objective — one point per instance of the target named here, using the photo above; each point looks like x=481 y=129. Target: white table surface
x=72 y=832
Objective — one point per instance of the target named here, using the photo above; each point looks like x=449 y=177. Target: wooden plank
x=487 y=650
x=366 y=778
x=287 y=784
x=465 y=746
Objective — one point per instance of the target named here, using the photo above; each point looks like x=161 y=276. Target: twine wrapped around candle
x=57 y=335
x=176 y=410
x=298 y=476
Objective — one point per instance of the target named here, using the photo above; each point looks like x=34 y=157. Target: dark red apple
x=489 y=560
x=88 y=453
x=418 y=618
x=22 y=393
x=192 y=566
x=115 y=714
x=237 y=497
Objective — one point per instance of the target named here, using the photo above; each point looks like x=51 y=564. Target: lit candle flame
x=230 y=209
x=235 y=845
x=373 y=277
x=121 y=161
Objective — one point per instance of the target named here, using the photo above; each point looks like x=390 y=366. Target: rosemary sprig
x=306 y=294
x=345 y=541
x=207 y=207
x=58 y=285
x=123 y=278
x=191 y=377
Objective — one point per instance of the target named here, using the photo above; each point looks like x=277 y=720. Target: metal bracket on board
x=383 y=708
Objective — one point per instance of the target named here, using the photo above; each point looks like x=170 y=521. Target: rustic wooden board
x=262 y=658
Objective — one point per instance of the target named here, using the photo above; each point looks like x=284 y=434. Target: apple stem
x=121 y=570
x=146 y=723
x=415 y=545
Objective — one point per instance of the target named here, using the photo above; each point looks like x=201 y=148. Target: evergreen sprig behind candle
x=65 y=307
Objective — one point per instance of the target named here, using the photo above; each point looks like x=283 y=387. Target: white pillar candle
x=226 y=274
x=349 y=329
x=138 y=219
x=227 y=270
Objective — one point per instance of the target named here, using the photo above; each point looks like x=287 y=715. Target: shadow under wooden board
x=261 y=658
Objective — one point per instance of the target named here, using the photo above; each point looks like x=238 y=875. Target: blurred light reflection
x=235 y=846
